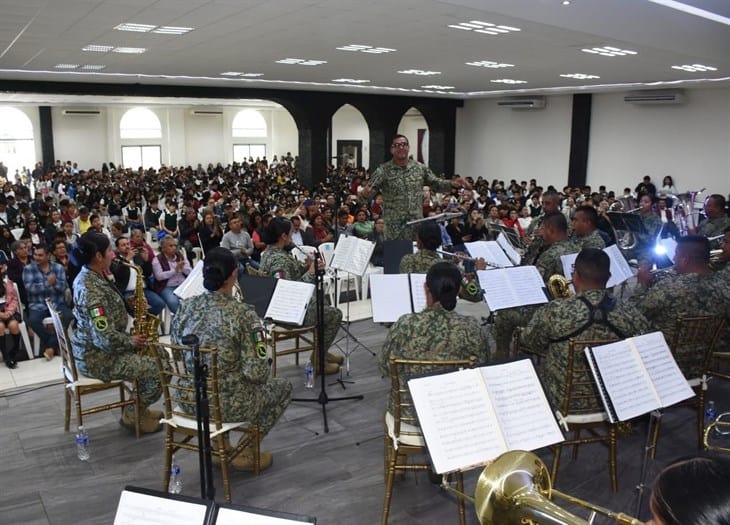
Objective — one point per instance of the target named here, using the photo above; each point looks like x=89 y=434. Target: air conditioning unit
x=661 y=96
x=205 y=112
x=522 y=102
x=81 y=112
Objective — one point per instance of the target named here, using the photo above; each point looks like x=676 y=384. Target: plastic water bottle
x=309 y=375
x=175 y=486
x=82 y=444
x=710 y=413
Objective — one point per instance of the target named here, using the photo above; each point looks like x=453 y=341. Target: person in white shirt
x=239 y=242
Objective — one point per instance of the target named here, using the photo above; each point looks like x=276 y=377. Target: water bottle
x=309 y=375
x=175 y=486
x=710 y=413
x=82 y=444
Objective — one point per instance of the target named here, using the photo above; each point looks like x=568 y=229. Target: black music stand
x=393 y=252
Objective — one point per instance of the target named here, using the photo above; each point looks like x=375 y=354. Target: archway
x=350 y=137
x=17 y=145
x=414 y=126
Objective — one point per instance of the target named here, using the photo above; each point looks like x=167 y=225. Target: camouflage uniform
x=722 y=284
x=549 y=262
x=279 y=263
x=247 y=390
x=713 y=227
x=101 y=346
x=561 y=318
x=434 y=334
x=402 y=190
x=421 y=262
x=644 y=250
x=592 y=240
x=536 y=246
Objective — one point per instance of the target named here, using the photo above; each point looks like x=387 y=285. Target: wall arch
x=17 y=142
x=413 y=124
x=350 y=137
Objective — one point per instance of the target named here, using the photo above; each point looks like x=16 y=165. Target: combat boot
x=244 y=461
x=148 y=423
x=329 y=368
x=334 y=358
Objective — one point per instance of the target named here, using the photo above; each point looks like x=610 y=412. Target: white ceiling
x=250 y=36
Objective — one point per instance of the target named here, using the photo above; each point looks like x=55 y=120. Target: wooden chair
x=692 y=346
x=78 y=386
x=403 y=437
x=581 y=408
x=178 y=388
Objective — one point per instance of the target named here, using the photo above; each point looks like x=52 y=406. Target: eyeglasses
x=401 y=145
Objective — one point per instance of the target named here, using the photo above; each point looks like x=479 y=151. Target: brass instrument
x=720 y=427
x=515 y=489
x=144 y=322
x=559 y=287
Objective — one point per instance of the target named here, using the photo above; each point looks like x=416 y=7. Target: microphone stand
x=202 y=415
x=322 y=399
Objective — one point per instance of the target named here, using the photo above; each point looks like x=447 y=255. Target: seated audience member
x=188 y=227
x=247 y=390
x=693 y=491
x=43 y=280
x=101 y=345
x=152 y=217
x=436 y=333
x=301 y=236
x=21 y=259
x=590 y=314
x=170 y=268
x=379 y=238
x=239 y=243
x=362 y=227
x=209 y=231
x=125 y=277
x=83 y=221
x=9 y=318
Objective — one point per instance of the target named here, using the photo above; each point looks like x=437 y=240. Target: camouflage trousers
x=397 y=230
x=332 y=320
x=505 y=323
x=127 y=367
x=264 y=407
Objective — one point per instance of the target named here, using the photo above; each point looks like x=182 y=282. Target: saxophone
x=144 y=323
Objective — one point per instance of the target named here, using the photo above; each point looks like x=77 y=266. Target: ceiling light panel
x=489 y=64
x=67 y=66
x=436 y=86
x=351 y=80
x=240 y=74
x=485 y=28
x=129 y=50
x=508 y=81
x=366 y=49
x=172 y=30
x=301 y=62
x=92 y=67
x=419 y=72
x=609 y=51
x=97 y=49
x=579 y=76
x=695 y=68
x=135 y=28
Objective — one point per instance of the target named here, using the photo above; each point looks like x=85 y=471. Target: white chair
x=345 y=281
x=23 y=327
x=365 y=279
x=301 y=253
x=17 y=232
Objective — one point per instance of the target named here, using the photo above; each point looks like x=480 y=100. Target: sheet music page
x=238 y=517
x=418 y=292
x=490 y=251
x=669 y=381
x=390 y=297
x=568 y=261
x=522 y=409
x=289 y=302
x=144 y=509
x=457 y=420
x=620 y=269
x=625 y=379
x=509 y=287
x=506 y=246
x=193 y=283
x=352 y=254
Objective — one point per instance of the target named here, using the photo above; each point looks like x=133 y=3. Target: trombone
x=719 y=428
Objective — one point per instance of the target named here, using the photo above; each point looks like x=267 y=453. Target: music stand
x=393 y=252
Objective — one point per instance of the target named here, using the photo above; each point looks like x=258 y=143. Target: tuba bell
x=559 y=287
x=515 y=489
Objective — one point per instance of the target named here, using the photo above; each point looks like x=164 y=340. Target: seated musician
x=585 y=228
x=692 y=292
x=591 y=314
x=247 y=390
x=717 y=220
x=437 y=332
x=101 y=346
x=277 y=261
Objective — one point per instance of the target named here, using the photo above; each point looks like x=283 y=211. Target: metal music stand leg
x=345 y=327
x=654 y=419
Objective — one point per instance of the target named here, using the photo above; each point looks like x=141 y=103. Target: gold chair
x=692 y=346
x=403 y=437
x=581 y=408
x=178 y=388
x=77 y=386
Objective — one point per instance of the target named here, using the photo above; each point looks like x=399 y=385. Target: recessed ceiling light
x=487 y=28
x=93 y=67
x=147 y=28
x=566 y=2
x=579 y=76
x=252 y=75
x=419 y=72
x=172 y=30
x=351 y=80
x=366 y=49
x=129 y=50
x=508 y=81
x=692 y=10
x=695 y=68
x=66 y=66
x=489 y=64
x=436 y=86
x=239 y=74
x=136 y=28
x=609 y=51
x=301 y=61
x=97 y=48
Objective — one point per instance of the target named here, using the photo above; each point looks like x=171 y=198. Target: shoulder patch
x=96 y=311
x=101 y=323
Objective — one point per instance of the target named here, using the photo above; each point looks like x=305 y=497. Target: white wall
x=690 y=142
x=79 y=138
x=409 y=125
x=502 y=143
x=349 y=124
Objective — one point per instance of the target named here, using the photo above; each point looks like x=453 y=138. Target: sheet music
x=144 y=509
x=510 y=287
x=669 y=382
x=237 y=517
x=352 y=255
x=193 y=283
x=620 y=269
x=625 y=380
x=457 y=419
x=418 y=293
x=523 y=411
x=390 y=297
x=289 y=302
x=491 y=251
x=508 y=249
